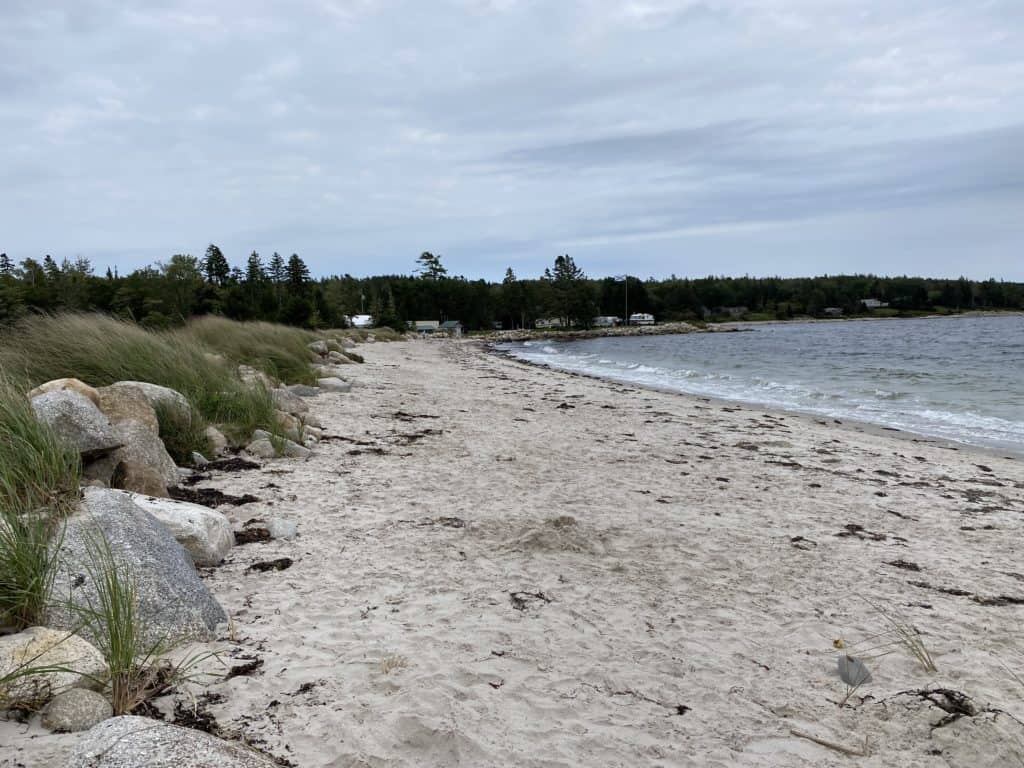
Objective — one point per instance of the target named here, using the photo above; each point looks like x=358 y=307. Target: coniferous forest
x=282 y=289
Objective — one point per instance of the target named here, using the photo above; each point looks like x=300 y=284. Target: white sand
x=680 y=624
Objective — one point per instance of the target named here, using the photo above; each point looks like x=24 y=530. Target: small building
x=424 y=326
x=452 y=327
x=549 y=322
x=833 y=311
x=497 y=325
x=361 y=321
x=873 y=303
x=606 y=321
x=641 y=318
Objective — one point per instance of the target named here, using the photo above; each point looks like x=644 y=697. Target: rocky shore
x=486 y=563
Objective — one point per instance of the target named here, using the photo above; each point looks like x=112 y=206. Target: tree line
x=282 y=290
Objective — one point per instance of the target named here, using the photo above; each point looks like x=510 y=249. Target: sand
x=500 y=565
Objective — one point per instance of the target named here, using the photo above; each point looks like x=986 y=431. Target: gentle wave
x=950 y=388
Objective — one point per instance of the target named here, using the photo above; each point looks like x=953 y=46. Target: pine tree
x=254 y=273
x=297 y=275
x=572 y=297
x=215 y=266
x=50 y=268
x=6 y=267
x=430 y=266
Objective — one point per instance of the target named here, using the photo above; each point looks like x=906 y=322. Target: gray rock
x=334 y=384
x=319 y=347
x=44 y=647
x=339 y=359
x=288 y=401
x=293 y=450
x=76 y=419
x=173 y=603
x=218 y=442
x=251 y=375
x=303 y=390
x=204 y=533
x=143 y=457
x=330 y=370
x=76 y=710
x=160 y=397
x=60 y=384
x=138 y=742
x=198 y=459
x=261 y=448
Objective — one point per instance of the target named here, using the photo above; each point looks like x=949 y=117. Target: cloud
x=754 y=135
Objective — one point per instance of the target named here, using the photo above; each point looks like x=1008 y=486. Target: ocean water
x=956 y=378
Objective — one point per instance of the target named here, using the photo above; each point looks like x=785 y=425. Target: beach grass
x=38 y=482
x=279 y=351
x=102 y=350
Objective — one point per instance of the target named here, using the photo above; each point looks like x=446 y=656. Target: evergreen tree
x=572 y=298
x=6 y=267
x=50 y=268
x=430 y=267
x=254 y=273
x=215 y=266
x=297 y=275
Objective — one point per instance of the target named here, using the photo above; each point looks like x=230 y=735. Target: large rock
x=145 y=467
x=288 y=402
x=76 y=710
x=334 y=384
x=143 y=464
x=205 y=533
x=319 y=347
x=339 y=359
x=43 y=647
x=266 y=446
x=77 y=420
x=122 y=404
x=138 y=742
x=173 y=603
x=59 y=385
x=160 y=398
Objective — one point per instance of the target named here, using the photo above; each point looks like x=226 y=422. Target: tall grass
x=278 y=350
x=137 y=670
x=102 y=350
x=38 y=481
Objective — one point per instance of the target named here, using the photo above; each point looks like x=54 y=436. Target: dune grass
x=277 y=350
x=38 y=483
x=137 y=670
x=101 y=350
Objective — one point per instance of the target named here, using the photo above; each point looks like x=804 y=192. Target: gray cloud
x=755 y=136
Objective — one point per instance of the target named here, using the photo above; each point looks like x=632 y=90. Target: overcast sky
x=788 y=137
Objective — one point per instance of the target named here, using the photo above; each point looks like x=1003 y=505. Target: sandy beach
x=501 y=565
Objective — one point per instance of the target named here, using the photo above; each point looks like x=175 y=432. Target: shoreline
x=499 y=566
x=850 y=424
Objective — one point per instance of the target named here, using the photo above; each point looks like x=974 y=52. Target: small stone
x=198 y=459
x=218 y=443
x=76 y=710
x=334 y=384
x=261 y=448
x=303 y=390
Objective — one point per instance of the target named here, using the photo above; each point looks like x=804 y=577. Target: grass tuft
x=279 y=351
x=38 y=483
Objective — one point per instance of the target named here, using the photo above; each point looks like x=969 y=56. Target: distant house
x=361 y=321
x=606 y=321
x=833 y=311
x=549 y=322
x=424 y=326
x=873 y=303
x=641 y=318
x=497 y=325
x=452 y=327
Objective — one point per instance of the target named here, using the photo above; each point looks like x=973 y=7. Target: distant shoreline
x=724 y=326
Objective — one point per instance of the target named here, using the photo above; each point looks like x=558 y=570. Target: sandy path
x=499 y=565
